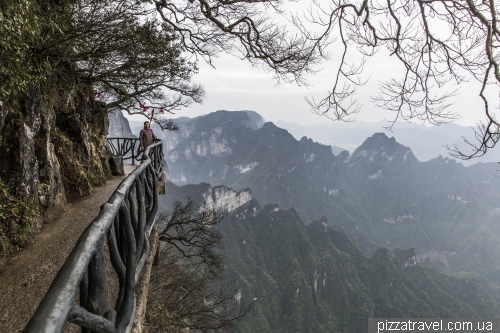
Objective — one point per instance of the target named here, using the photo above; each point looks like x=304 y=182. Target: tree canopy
x=141 y=55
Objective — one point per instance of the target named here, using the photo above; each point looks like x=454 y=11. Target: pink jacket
x=146 y=138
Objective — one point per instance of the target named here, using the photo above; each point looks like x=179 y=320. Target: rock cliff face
x=225 y=199
x=203 y=142
x=53 y=150
x=119 y=126
x=206 y=196
x=3 y=114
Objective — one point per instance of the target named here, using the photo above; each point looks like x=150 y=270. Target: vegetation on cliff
x=314 y=278
x=22 y=210
x=64 y=64
x=187 y=288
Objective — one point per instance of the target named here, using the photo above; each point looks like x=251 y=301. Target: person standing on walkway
x=147 y=137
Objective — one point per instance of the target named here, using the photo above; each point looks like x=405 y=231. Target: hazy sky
x=235 y=85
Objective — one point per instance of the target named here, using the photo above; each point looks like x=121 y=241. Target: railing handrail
x=125 y=147
x=83 y=266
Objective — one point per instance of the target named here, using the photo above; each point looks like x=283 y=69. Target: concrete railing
x=125 y=223
x=127 y=148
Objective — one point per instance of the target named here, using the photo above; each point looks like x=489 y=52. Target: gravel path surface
x=29 y=273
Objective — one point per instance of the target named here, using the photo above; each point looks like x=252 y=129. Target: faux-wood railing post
x=128 y=148
x=125 y=221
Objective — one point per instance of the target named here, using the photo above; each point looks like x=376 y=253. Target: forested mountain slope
x=381 y=195
x=313 y=278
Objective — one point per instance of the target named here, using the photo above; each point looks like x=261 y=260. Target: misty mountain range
x=381 y=195
x=313 y=278
x=329 y=239
x=425 y=142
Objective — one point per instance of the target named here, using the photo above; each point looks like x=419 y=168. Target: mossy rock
x=18 y=219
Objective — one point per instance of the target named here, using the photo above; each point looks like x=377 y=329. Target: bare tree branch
x=188 y=290
x=437 y=42
x=208 y=27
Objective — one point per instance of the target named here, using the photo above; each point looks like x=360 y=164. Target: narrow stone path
x=29 y=273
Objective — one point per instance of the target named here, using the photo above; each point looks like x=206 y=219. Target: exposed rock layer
x=119 y=126
x=53 y=150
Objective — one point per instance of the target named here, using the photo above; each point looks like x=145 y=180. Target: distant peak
x=256 y=120
x=379 y=140
x=381 y=136
x=380 y=148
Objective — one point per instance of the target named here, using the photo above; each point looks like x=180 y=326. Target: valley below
x=325 y=241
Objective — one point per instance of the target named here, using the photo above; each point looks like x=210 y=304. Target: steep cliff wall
x=119 y=125
x=225 y=199
x=53 y=151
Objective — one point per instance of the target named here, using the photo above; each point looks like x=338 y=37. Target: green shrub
x=18 y=217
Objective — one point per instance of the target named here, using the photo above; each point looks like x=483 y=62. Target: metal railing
x=125 y=221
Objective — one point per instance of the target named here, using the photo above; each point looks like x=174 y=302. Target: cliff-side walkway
x=29 y=273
